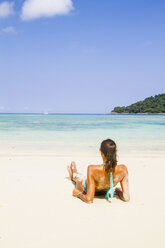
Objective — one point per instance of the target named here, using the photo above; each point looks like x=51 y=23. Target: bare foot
x=73 y=167
x=72 y=170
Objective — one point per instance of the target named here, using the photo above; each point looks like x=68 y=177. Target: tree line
x=153 y=104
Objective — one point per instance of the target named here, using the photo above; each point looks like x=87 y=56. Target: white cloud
x=33 y=9
x=6 y=9
x=9 y=30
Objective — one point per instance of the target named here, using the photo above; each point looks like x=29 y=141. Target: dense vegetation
x=151 y=104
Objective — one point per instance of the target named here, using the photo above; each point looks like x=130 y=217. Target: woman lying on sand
x=101 y=178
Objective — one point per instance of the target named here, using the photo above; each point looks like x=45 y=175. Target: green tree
x=153 y=104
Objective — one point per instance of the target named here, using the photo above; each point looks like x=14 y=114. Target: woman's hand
x=123 y=197
x=118 y=192
x=76 y=192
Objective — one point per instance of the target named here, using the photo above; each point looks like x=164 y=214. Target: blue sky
x=83 y=56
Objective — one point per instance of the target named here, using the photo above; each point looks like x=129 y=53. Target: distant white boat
x=46 y=113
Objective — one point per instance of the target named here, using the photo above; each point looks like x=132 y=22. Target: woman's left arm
x=89 y=196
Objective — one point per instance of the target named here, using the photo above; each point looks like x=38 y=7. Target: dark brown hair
x=108 y=148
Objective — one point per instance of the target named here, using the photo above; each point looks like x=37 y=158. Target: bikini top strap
x=110 y=190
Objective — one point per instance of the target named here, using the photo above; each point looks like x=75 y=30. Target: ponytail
x=108 y=147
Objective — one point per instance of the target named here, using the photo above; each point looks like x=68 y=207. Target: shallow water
x=82 y=133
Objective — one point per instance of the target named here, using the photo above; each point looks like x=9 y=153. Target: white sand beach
x=72 y=75
x=37 y=209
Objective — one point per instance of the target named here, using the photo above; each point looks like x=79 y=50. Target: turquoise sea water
x=83 y=133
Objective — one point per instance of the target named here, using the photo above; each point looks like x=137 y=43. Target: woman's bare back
x=98 y=180
x=102 y=177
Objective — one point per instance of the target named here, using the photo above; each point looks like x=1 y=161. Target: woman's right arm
x=124 y=193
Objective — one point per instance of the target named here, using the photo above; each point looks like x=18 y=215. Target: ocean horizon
x=42 y=113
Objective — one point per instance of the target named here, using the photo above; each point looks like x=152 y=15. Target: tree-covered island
x=154 y=104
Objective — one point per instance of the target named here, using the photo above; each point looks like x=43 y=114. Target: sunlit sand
x=37 y=208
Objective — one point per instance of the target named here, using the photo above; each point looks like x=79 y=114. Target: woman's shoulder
x=122 y=168
x=94 y=170
x=94 y=167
